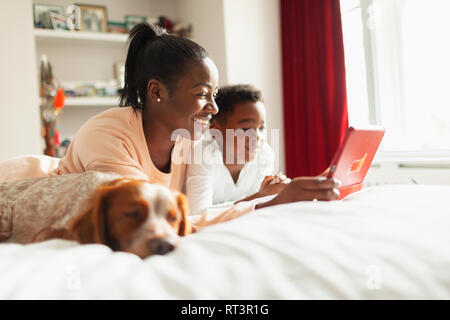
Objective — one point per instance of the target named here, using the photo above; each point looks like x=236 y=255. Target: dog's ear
x=89 y=227
x=185 y=227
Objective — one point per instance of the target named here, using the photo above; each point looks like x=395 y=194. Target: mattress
x=388 y=242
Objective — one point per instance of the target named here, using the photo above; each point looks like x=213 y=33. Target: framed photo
x=131 y=21
x=58 y=21
x=93 y=18
x=42 y=17
x=116 y=27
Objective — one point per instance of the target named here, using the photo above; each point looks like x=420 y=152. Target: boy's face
x=250 y=117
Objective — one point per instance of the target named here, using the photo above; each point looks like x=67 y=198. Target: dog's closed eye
x=172 y=215
x=133 y=215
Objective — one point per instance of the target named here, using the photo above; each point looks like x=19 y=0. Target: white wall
x=253 y=47
x=19 y=103
x=207 y=19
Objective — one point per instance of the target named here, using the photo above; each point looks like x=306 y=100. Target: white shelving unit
x=80 y=56
x=92 y=101
x=61 y=37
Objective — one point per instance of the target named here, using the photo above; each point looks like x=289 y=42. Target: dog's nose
x=161 y=246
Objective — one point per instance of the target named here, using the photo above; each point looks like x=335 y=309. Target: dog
x=125 y=214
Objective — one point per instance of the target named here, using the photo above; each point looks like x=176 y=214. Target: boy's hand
x=273 y=184
x=281 y=178
x=271 y=188
x=274 y=179
x=266 y=181
x=306 y=189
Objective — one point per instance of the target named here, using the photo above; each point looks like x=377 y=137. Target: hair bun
x=144 y=32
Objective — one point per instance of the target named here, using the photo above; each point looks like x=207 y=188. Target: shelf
x=48 y=36
x=92 y=102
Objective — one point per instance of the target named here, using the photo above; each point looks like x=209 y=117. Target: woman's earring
x=158 y=100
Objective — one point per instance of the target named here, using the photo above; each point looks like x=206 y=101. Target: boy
x=236 y=165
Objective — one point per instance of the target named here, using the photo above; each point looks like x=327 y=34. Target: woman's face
x=192 y=101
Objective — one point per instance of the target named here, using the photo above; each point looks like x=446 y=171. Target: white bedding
x=390 y=242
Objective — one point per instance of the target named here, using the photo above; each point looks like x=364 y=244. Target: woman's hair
x=155 y=54
x=229 y=96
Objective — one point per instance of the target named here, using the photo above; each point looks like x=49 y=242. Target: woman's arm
x=305 y=189
x=300 y=189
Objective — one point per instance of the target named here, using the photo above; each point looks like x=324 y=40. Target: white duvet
x=390 y=242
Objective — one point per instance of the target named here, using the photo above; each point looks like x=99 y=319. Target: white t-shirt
x=210 y=184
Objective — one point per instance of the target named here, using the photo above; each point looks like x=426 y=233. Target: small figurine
x=73 y=21
x=52 y=101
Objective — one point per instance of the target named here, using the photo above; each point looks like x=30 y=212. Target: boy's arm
x=199 y=188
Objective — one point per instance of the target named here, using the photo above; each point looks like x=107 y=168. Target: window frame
x=373 y=91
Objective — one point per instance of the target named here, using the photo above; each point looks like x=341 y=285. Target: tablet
x=354 y=157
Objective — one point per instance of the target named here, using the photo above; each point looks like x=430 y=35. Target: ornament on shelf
x=52 y=102
x=73 y=21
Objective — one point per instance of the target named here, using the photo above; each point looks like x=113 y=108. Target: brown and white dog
x=125 y=214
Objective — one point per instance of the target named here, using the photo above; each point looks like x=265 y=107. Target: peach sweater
x=114 y=141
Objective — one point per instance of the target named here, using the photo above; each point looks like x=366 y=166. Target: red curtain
x=314 y=90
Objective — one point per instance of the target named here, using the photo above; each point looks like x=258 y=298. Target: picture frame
x=93 y=18
x=58 y=21
x=42 y=17
x=132 y=20
x=116 y=27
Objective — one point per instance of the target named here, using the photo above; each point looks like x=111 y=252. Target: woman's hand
x=306 y=189
x=325 y=173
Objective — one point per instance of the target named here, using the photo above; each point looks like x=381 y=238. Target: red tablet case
x=354 y=157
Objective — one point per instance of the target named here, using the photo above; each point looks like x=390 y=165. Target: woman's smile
x=202 y=121
x=200 y=125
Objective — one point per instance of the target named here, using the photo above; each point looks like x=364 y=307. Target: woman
x=170 y=85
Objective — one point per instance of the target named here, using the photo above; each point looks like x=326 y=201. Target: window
x=355 y=65
x=398 y=71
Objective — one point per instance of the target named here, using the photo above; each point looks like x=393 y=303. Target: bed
x=387 y=242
